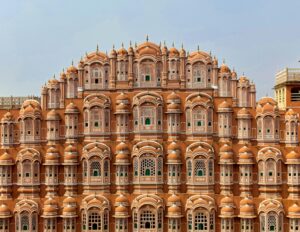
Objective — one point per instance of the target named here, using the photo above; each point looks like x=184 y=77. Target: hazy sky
x=39 y=38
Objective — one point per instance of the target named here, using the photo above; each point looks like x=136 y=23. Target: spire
x=130 y=43
x=164 y=43
x=135 y=45
x=181 y=45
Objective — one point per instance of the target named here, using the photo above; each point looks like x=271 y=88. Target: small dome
x=53 y=82
x=52 y=156
x=247 y=209
x=265 y=100
x=122 y=107
x=6 y=158
x=267 y=108
x=122 y=97
x=173 y=156
x=224 y=69
x=7 y=117
x=173 y=52
x=113 y=52
x=243 y=79
x=226 y=148
x=50 y=209
x=69 y=210
x=173 y=199
x=293 y=155
x=173 y=106
x=173 y=146
x=63 y=75
x=233 y=74
x=121 y=199
x=245 y=149
x=225 y=105
x=72 y=69
x=247 y=200
x=4 y=211
x=294 y=209
x=53 y=115
x=71 y=148
x=173 y=97
x=243 y=111
x=291 y=112
x=122 y=147
x=174 y=210
x=122 y=52
x=69 y=200
x=227 y=211
x=182 y=52
x=227 y=200
x=72 y=108
x=121 y=209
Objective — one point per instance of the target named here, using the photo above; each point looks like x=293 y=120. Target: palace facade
x=149 y=139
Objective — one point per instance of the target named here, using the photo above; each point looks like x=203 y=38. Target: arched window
x=26 y=216
x=147 y=164
x=95 y=169
x=147 y=112
x=271 y=216
x=200 y=215
x=269 y=166
x=25 y=222
x=95 y=214
x=199 y=114
x=146 y=217
x=200 y=169
x=96 y=115
x=147 y=167
x=199 y=163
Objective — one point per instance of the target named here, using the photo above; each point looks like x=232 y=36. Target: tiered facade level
x=149 y=139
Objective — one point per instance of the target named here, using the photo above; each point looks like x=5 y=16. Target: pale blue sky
x=39 y=38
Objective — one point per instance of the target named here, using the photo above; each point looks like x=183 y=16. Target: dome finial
x=224 y=61
x=147 y=38
x=86 y=54
x=54 y=76
x=160 y=44
x=113 y=47
x=181 y=45
x=135 y=45
x=122 y=45
x=97 y=48
x=243 y=74
x=198 y=48
x=173 y=45
x=210 y=53
x=164 y=43
x=72 y=63
x=130 y=43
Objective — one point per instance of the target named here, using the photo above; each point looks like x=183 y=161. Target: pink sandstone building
x=149 y=139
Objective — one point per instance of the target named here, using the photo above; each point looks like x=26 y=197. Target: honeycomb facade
x=149 y=139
